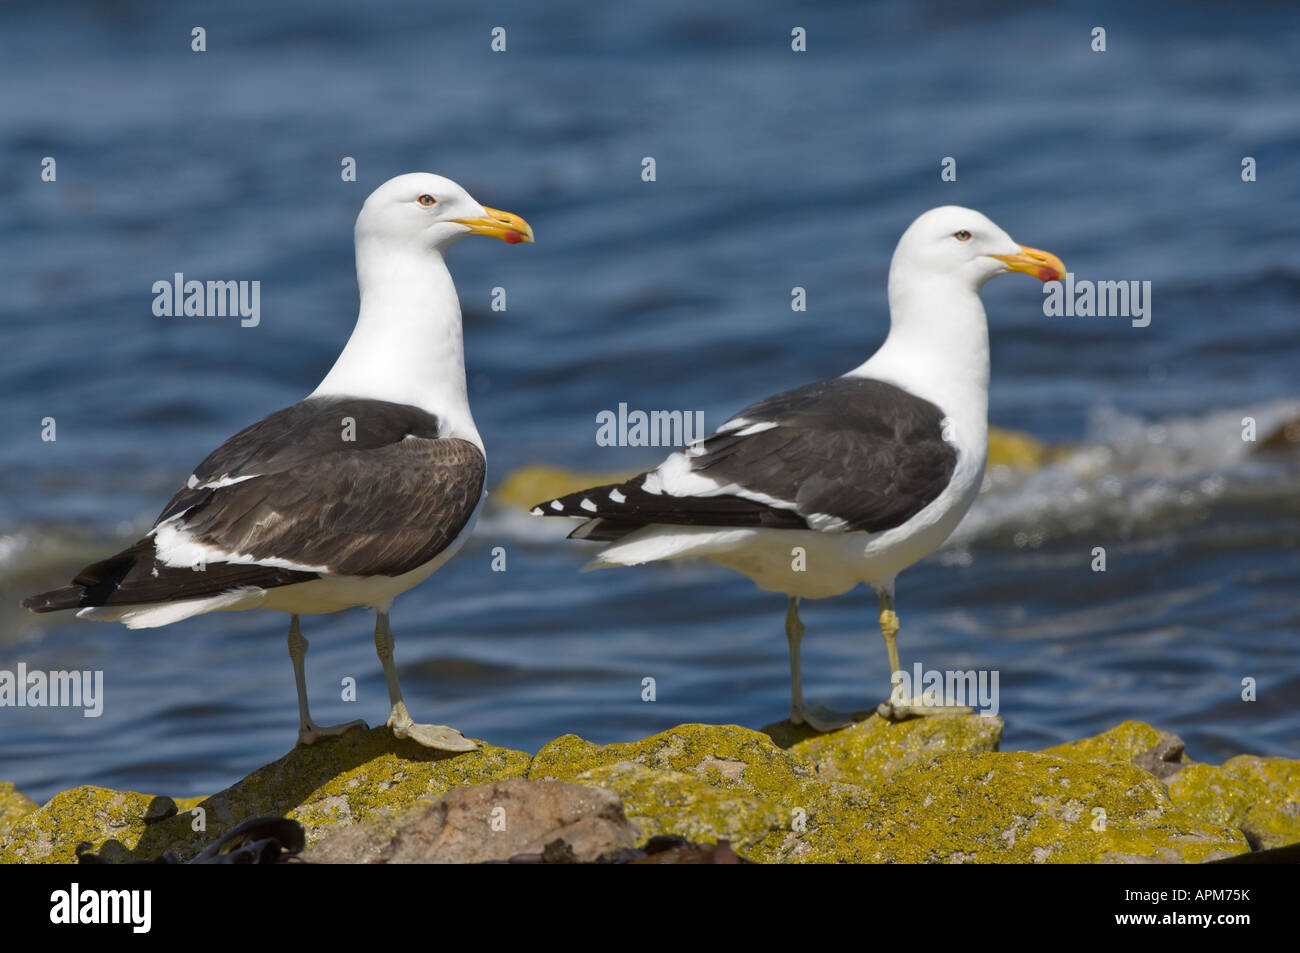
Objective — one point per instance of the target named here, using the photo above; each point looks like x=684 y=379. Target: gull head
x=964 y=244
x=429 y=211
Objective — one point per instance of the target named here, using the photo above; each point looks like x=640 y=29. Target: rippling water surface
x=774 y=170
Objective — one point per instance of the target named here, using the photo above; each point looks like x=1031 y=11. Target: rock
x=1289 y=855
x=487 y=822
x=1165 y=759
x=1258 y=796
x=1274 y=819
x=330 y=784
x=874 y=749
x=704 y=782
x=678 y=850
x=112 y=822
x=259 y=840
x=1284 y=438
x=1010 y=807
x=1011 y=448
x=1131 y=742
x=926 y=790
x=786 y=734
x=657 y=850
x=13 y=805
x=1213 y=794
x=664 y=803
x=725 y=756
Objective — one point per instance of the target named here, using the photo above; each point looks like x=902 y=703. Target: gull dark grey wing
x=349 y=487
x=378 y=512
x=840 y=455
x=309 y=430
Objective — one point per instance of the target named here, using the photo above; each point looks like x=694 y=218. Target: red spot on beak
x=1048 y=274
x=514 y=238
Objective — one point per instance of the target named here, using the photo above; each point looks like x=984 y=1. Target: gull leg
x=898 y=708
x=431 y=736
x=820 y=718
x=308 y=731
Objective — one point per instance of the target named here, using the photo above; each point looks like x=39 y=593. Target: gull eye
x=426 y=200
x=962 y=236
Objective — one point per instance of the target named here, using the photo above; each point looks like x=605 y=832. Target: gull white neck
x=408 y=345
x=937 y=348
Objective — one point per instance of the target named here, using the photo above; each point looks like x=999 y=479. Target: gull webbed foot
x=439 y=737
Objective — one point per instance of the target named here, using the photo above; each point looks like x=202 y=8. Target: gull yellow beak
x=498 y=224
x=1043 y=265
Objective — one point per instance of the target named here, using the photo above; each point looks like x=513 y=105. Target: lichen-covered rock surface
x=345 y=780
x=496 y=821
x=13 y=805
x=933 y=790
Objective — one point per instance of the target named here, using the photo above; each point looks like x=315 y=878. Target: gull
x=349 y=497
x=849 y=480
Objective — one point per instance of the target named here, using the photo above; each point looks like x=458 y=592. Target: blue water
x=774 y=169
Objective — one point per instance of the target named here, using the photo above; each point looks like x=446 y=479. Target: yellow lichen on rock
x=931 y=790
x=874 y=749
x=672 y=802
x=1012 y=807
x=705 y=782
x=724 y=756
x=1274 y=819
x=1011 y=448
x=113 y=822
x=13 y=805
x=323 y=786
x=1213 y=794
x=1118 y=745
